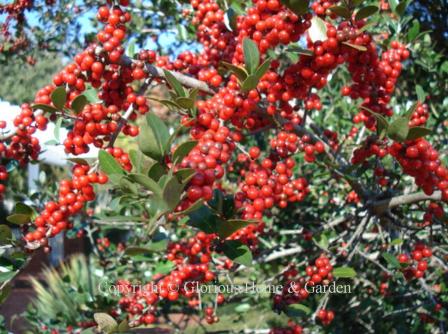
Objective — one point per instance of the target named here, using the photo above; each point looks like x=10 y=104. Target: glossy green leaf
x=44 y=107
x=172 y=191
x=153 y=137
x=184 y=175
x=401 y=7
x=19 y=218
x=22 y=208
x=342 y=11
x=174 y=83
x=185 y=102
x=391 y=260
x=147 y=182
x=183 y=150
x=365 y=12
x=299 y=7
x=108 y=164
x=237 y=252
x=420 y=93
x=79 y=103
x=318 y=29
x=59 y=97
x=5 y=234
x=417 y=132
x=156 y=171
x=355 y=46
x=105 y=322
x=398 y=130
x=344 y=272
x=251 y=55
x=228 y=227
x=238 y=71
x=297 y=310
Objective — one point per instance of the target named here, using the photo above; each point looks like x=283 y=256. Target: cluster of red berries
x=192 y=259
x=267 y=184
x=292 y=328
x=322 y=8
x=420 y=160
x=373 y=78
x=73 y=194
x=419 y=116
x=372 y=146
x=102 y=244
x=417 y=265
x=287 y=143
x=325 y=316
x=434 y=211
x=353 y=197
x=321 y=270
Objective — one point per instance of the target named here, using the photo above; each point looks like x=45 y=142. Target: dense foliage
x=271 y=143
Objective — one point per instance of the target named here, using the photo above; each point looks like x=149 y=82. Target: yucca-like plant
x=69 y=294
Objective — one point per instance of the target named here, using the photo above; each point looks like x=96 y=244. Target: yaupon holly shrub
x=294 y=160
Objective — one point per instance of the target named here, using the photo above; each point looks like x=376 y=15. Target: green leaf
x=396 y=242
x=123 y=327
x=249 y=84
x=238 y=71
x=204 y=219
x=183 y=150
x=174 y=83
x=135 y=250
x=381 y=123
x=5 y=292
x=185 y=102
x=130 y=51
x=300 y=50
x=172 y=191
x=355 y=46
x=164 y=267
x=23 y=209
x=237 y=252
x=342 y=11
x=227 y=228
x=59 y=97
x=108 y=164
x=184 y=175
x=78 y=161
x=105 y=322
x=92 y=95
x=242 y=308
x=251 y=55
x=127 y=186
x=398 y=130
x=318 y=29
x=297 y=310
x=261 y=70
x=19 y=218
x=193 y=207
x=365 y=12
x=413 y=30
x=167 y=103
x=57 y=129
x=44 y=107
x=344 y=272
x=232 y=17
x=390 y=259
x=153 y=137
x=5 y=234
x=322 y=241
x=418 y=132
x=401 y=8
x=140 y=162
x=299 y=7
x=147 y=182
x=420 y=93
x=156 y=171
x=79 y=103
